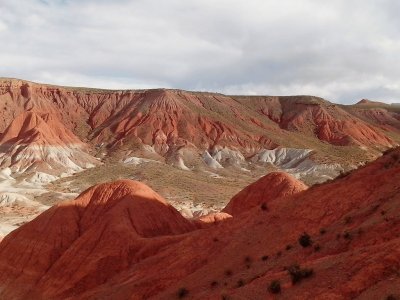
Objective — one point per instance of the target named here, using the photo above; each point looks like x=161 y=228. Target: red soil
x=122 y=241
x=268 y=188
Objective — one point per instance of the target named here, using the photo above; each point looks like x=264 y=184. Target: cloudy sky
x=342 y=50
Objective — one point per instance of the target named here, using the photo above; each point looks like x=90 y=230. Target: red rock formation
x=162 y=118
x=271 y=186
x=118 y=241
x=212 y=219
x=369 y=102
x=382 y=117
x=108 y=228
x=40 y=142
x=313 y=116
x=41 y=128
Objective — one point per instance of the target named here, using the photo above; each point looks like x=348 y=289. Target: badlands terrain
x=275 y=239
x=196 y=149
x=170 y=194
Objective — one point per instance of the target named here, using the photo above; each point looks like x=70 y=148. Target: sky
x=341 y=50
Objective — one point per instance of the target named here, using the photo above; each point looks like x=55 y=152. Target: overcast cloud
x=342 y=50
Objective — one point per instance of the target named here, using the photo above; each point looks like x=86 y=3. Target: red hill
x=268 y=188
x=39 y=142
x=119 y=241
x=111 y=226
x=170 y=120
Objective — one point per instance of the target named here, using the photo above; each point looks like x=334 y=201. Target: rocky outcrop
x=36 y=142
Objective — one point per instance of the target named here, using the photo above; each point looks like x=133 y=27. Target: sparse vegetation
x=395 y=156
x=317 y=248
x=182 y=293
x=228 y=273
x=214 y=283
x=275 y=287
x=322 y=231
x=305 y=240
x=288 y=247
x=347 y=235
x=240 y=283
x=297 y=274
x=391 y=297
x=264 y=257
x=264 y=206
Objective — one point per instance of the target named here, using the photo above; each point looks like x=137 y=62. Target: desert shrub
x=348 y=220
x=288 y=247
x=228 y=273
x=240 y=283
x=247 y=259
x=214 y=283
x=322 y=231
x=305 y=240
x=347 y=235
x=317 y=247
x=297 y=274
x=391 y=297
x=274 y=287
x=264 y=206
x=264 y=257
x=395 y=156
x=183 y=292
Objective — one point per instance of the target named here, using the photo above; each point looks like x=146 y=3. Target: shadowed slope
x=103 y=231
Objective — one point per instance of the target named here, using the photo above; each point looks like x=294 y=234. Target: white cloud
x=342 y=50
x=3 y=26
